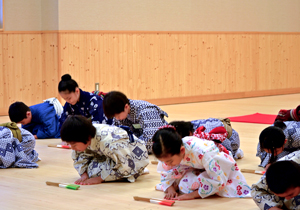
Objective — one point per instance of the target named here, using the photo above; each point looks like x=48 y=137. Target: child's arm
x=50 y=126
x=263 y=197
x=81 y=161
x=171 y=193
x=189 y=196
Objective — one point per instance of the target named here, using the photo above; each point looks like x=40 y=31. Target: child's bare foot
x=95 y=180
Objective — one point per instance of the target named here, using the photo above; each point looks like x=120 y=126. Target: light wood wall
x=161 y=67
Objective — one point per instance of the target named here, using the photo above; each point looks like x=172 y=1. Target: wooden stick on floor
x=253 y=171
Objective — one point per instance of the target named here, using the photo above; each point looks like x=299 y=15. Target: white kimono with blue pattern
x=111 y=155
x=265 y=198
x=292 y=134
x=16 y=154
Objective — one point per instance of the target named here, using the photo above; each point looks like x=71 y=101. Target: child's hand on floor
x=84 y=177
x=171 y=193
x=188 y=196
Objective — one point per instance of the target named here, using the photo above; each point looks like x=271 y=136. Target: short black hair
x=166 y=142
x=67 y=83
x=114 y=103
x=183 y=128
x=77 y=128
x=271 y=138
x=283 y=175
x=17 y=111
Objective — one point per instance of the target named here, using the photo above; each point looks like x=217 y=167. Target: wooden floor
x=26 y=188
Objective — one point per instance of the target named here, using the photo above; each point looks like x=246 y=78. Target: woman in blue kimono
x=79 y=102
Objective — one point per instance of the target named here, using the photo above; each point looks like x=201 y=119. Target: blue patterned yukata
x=292 y=134
x=232 y=143
x=205 y=169
x=148 y=116
x=16 y=154
x=89 y=105
x=266 y=199
x=112 y=155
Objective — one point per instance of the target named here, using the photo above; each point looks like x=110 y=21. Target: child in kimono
x=279 y=188
x=79 y=102
x=278 y=141
x=42 y=120
x=17 y=147
x=103 y=152
x=231 y=142
x=142 y=117
x=195 y=168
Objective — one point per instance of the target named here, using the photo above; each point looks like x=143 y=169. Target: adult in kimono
x=196 y=169
x=103 y=152
x=263 y=192
x=79 y=102
x=17 y=147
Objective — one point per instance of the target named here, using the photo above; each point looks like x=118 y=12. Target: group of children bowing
x=111 y=137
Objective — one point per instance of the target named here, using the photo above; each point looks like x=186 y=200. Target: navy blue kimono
x=44 y=122
x=89 y=105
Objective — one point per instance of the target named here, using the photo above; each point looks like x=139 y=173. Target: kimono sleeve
x=263 y=197
x=81 y=161
x=64 y=115
x=217 y=170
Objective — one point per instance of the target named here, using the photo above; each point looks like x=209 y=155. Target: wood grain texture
x=160 y=67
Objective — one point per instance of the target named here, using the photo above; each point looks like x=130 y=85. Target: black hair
x=166 y=142
x=283 y=175
x=17 y=111
x=77 y=128
x=271 y=138
x=67 y=83
x=183 y=128
x=114 y=103
x=280 y=124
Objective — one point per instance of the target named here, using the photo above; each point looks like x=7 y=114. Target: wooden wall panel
x=29 y=68
x=162 y=68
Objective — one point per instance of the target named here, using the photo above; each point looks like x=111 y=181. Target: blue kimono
x=89 y=105
x=44 y=122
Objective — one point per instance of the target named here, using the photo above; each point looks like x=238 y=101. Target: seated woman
x=231 y=142
x=103 y=152
x=197 y=169
x=278 y=141
x=17 y=147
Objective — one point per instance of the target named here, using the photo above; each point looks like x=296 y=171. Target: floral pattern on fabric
x=205 y=169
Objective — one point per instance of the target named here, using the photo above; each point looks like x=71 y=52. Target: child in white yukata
x=142 y=117
x=103 y=152
x=279 y=188
x=195 y=167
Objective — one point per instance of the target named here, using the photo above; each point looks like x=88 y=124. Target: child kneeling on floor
x=103 y=152
x=195 y=168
